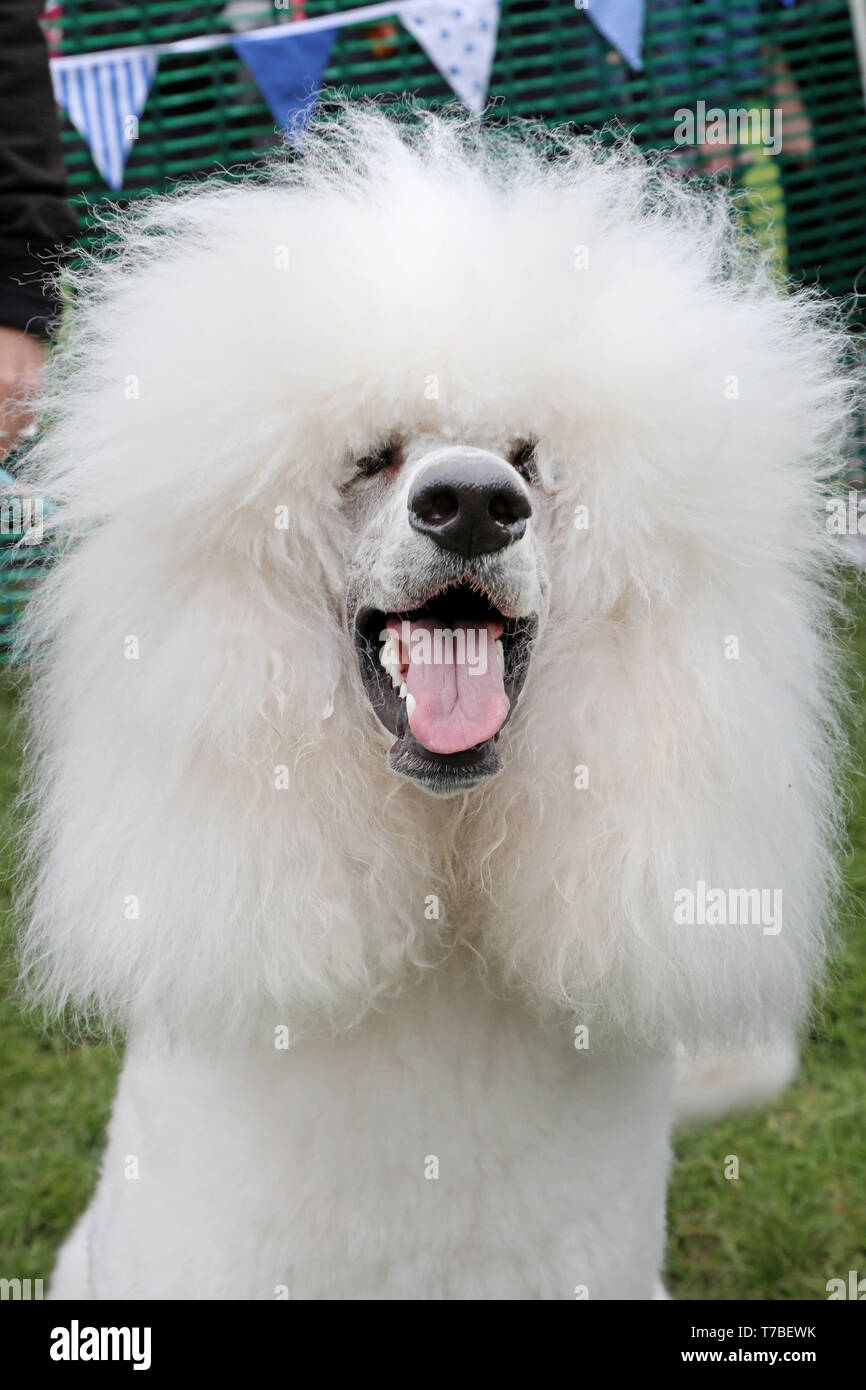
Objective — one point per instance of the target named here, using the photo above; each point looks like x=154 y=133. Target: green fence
x=204 y=110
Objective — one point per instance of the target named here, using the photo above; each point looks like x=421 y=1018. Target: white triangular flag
x=461 y=40
x=104 y=95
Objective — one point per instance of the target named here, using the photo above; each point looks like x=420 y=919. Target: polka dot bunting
x=461 y=43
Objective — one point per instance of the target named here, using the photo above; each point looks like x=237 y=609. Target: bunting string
x=104 y=93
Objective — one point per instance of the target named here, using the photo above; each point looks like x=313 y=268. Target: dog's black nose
x=471 y=503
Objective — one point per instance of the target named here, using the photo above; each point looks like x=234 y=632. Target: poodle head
x=454 y=460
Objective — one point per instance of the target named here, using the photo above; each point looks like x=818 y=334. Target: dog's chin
x=458 y=769
x=444 y=774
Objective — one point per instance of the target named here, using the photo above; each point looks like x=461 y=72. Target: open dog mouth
x=444 y=679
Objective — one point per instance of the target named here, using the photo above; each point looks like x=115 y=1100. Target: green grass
x=797 y=1215
x=795 y=1218
x=54 y=1099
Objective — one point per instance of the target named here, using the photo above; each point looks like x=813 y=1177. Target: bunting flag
x=288 y=71
x=104 y=95
x=460 y=40
x=621 y=23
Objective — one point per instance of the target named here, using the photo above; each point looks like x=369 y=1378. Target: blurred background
x=796 y=1217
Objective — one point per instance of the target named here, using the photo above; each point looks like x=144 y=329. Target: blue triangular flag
x=288 y=72
x=104 y=97
x=621 y=22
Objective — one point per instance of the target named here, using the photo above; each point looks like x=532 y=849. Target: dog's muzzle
x=443 y=671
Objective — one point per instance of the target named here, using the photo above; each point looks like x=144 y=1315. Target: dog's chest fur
x=448 y=1148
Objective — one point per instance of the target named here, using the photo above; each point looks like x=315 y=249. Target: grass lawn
x=795 y=1218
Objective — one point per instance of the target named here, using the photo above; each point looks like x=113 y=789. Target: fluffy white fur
x=694 y=409
x=707 y=1088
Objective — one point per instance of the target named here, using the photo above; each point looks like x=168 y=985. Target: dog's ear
x=682 y=789
x=191 y=673
x=683 y=877
x=195 y=842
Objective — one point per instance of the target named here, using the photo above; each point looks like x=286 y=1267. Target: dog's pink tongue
x=455 y=680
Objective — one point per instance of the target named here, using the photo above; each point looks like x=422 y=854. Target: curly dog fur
x=354 y=1009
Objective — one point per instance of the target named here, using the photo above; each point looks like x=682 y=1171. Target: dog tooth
x=411 y=705
x=500 y=654
x=403 y=691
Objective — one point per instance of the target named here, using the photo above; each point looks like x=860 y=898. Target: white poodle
x=434 y=725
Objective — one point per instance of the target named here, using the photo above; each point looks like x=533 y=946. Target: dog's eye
x=522 y=457
x=388 y=455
